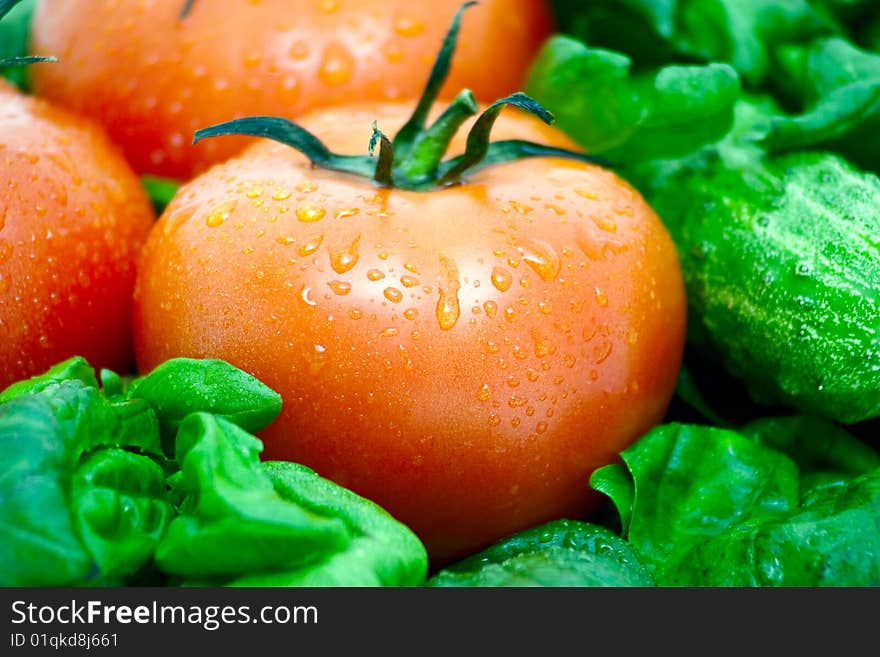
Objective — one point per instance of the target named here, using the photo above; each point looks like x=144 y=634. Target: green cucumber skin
x=781 y=260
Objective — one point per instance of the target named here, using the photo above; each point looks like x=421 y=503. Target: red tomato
x=152 y=78
x=465 y=357
x=73 y=217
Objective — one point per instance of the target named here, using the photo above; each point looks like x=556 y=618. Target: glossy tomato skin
x=73 y=217
x=465 y=357
x=152 y=79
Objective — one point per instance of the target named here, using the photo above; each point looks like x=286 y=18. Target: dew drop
x=501 y=279
x=484 y=393
x=347 y=212
x=494 y=420
x=344 y=258
x=309 y=212
x=393 y=294
x=354 y=313
x=389 y=332
x=375 y=275
x=448 y=309
x=407 y=26
x=286 y=240
x=280 y=194
x=254 y=192
x=337 y=65
x=586 y=193
x=542 y=258
x=541 y=427
x=410 y=313
x=601 y=299
x=409 y=281
x=340 y=287
x=311 y=246
x=304 y=186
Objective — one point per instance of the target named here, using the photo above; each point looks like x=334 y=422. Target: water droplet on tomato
x=344 y=258
x=491 y=309
x=337 y=65
x=5 y=251
x=281 y=194
x=410 y=313
x=311 y=245
x=309 y=212
x=448 y=307
x=409 y=281
x=408 y=26
x=219 y=214
x=543 y=346
x=254 y=192
x=542 y=258
x=375 y=275
x=389 y=332
x=484 y=393
x=393 y=294
x=340 y=287
x=501 y=279
x=347 y=212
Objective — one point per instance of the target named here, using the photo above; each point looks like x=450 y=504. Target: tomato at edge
x=73 y=217
x=153 y=79
x=464 y=357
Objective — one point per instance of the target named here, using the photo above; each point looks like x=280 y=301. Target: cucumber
x=781 y=260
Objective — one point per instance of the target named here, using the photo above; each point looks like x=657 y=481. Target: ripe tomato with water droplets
x=464 y=356
x=73 y=217
x=152 y=78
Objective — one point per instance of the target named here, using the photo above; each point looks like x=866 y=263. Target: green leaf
x=76 y=368
x=832 y=541
x=38 y=543
x=631 y=117
x=563 y=553
x=119 y=510
x=14 y=33
x=232 y=521
x=694 y=482
x=160 y=191
x=181 y=386
x=742 y=33
x=615 y=481
x=815 y=445
x=382 y=551
x=839 y=87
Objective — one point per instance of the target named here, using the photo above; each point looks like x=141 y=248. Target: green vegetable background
x=753 y=128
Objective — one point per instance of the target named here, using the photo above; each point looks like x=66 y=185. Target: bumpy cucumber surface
x=781 y=259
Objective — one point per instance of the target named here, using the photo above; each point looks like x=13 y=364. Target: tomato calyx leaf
x=5 y=7
x=413 y=160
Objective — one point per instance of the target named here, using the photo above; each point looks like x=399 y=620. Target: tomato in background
x=464 y=356
x=73 y=217
x=153 y=78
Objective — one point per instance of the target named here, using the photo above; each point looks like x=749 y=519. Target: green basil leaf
x=76 y=368
x=628 y=117
x=562 y=553
x=834 y=540
x=38 y=543
x=382 y=551
x=181 y=386
x=742 y=33
x=815 y=445
x=839 y=87
x=694 y=482
x=232 y=520
x=119 y=510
